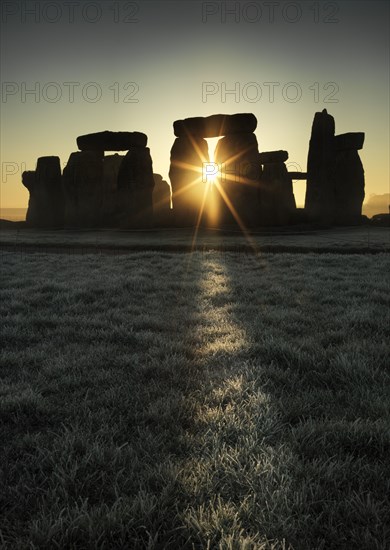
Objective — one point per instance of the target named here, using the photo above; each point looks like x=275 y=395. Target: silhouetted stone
x=276 y=197
x=162 y=212
x=320 y=192
x=335 y=175
x=299 y=217
x=215 y=125
x=29 y=179
x=348 y=184
x=185 y=174
x=273 y=156
x=135 y=189
x=238 y=157
x=46 y=203
x=111 y=141
x=111 y=165
x=350 y=141
x=84 y=189
x=381 y=220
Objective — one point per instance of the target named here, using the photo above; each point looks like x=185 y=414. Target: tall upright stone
x=348 y=178
x=46 y=202
x=29 y=181
x=276 y=196
x=238 y=159
x=135 y=189
x=162 y=212
x=320 y=191
x=335 y=175
x=111 y=166
x=186 y=175
x=84 y=189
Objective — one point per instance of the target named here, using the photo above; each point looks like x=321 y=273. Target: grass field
x=198 y=401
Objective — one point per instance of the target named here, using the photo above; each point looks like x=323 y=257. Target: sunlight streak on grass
x=220 y=333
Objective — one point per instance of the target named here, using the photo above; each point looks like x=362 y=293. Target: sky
x=76 y=67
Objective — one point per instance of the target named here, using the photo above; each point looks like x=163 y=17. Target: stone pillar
x=111 y=165
x=320 y=192
x=83 y=189
x=135 y=189
x=348 y=178
x=335 y=175
x=29 y=180
x=162 y=212
x=276 y=196
x=46 y=202
x=185 y=173
x=238 y=159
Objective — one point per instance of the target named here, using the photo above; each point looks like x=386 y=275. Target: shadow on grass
x=99 y=384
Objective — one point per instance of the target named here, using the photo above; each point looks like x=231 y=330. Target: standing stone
x=238 y=159
x=276 y=196
x=349 y=187
x=335 y=175
x=352 y=141
x=186 y=175
x=111 y=166
x=135 y=189
x=162 y=212
x=84 y=189
x=320 y=192
x=29 y=181
x=46 y=202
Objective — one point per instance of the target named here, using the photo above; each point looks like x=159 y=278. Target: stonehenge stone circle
x=249 y=189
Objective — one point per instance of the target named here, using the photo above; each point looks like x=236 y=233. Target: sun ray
x=195 y=235
x=237 y=178
x=196 y=147
x=236 y=216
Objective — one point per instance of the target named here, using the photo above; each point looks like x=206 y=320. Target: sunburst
x=213 y=182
